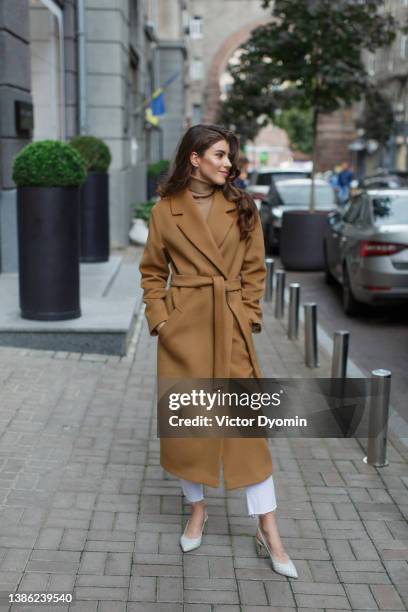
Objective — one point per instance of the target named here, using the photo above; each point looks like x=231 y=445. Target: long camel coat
x=209 y=306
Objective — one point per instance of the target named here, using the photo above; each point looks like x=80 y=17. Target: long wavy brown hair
x=199 y=138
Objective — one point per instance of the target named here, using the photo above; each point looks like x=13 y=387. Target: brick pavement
x=86 y=507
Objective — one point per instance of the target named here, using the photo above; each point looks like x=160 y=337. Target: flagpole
x=148 y=101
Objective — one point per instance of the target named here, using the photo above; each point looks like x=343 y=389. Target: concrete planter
x=301 y=240
x=139 y=232
x=95 y=218
x=48 y=249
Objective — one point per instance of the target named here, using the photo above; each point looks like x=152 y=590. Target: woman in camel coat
x=206 y=236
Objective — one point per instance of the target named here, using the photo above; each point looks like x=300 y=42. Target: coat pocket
x=174 y=315
x=245 y=314
x=176 y=300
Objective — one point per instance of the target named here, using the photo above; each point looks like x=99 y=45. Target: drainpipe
x=58 y=14
x=82 y=81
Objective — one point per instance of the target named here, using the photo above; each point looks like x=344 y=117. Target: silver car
x=263 y=179
x=291 y=194
x=366 y=248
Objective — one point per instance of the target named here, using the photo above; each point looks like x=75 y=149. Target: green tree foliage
x=378 y=117
x=298 y=124
x=308 y=57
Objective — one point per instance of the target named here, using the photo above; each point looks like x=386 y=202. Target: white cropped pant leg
x=260 y=497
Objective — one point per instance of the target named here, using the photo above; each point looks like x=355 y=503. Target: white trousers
x=260 y=497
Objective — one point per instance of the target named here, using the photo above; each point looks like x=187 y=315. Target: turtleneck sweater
x=203 y=194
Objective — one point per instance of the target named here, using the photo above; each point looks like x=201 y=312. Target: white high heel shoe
x=263 y=550
x=188 y=544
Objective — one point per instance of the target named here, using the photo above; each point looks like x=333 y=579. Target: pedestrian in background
x=344 y=179
x=210 y=235
x=242 y=180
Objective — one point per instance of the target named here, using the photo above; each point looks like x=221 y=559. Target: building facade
x=388 y=69
x=340 y=138
x=172 y=70
x=216 y=30
x=73 y=67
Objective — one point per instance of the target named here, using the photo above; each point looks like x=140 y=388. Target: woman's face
x=214 y=165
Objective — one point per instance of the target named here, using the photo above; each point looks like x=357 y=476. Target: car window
x=264 y=178
x=299 y=195
x=390 y=209
x=389 y=184
x=282 y=176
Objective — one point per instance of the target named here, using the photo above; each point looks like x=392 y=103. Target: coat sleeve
x=154 y=271
x=253 y=274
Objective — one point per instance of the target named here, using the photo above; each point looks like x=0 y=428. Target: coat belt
x=220 y=287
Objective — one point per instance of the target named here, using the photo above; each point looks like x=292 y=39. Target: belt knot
x=220 y=287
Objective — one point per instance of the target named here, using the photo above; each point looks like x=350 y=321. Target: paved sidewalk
x=86 y=508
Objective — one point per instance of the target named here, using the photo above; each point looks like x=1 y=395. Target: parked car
x=263 y=179
x=366 y=248
x=395 y=179
x=291 y=194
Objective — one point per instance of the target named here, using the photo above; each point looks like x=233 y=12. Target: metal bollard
x=341 y=340
x=311 y=347
x=294 y=302
x=269 y=279
x=280 y=294
x=378 y=418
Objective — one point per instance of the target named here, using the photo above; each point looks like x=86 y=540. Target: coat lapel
x=208 y=235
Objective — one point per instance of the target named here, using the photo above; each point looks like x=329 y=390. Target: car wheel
x=351 y=306
x=328 y=277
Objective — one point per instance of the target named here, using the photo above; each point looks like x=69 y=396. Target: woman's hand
x=160 y=325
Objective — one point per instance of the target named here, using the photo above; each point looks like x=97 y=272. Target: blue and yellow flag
x=150 y=118
x=154 y=105
x=157 y=103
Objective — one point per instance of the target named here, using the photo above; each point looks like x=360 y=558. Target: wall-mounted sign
x=24 y=117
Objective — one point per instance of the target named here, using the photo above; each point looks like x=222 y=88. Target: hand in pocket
x=160 y=325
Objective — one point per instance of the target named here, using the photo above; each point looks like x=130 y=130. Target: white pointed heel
x=263 y=551
x=188 y=544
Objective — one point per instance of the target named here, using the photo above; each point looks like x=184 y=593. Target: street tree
x=297 y=123
x=377 y=121
x=308 y=57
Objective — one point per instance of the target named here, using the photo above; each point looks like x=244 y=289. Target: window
x=197 y=70
x=390 y=59
x=196 y=27
x=371 y=64
x=197 y=113
x=404 y=46
x=390 y=210
x=299 y=195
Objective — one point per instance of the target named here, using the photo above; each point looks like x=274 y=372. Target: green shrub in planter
x=156 y=169
x=95 y=223
x=144 y=209
x=48 y=174
x=48 y=163
x=154 y=172
x=95 y=152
